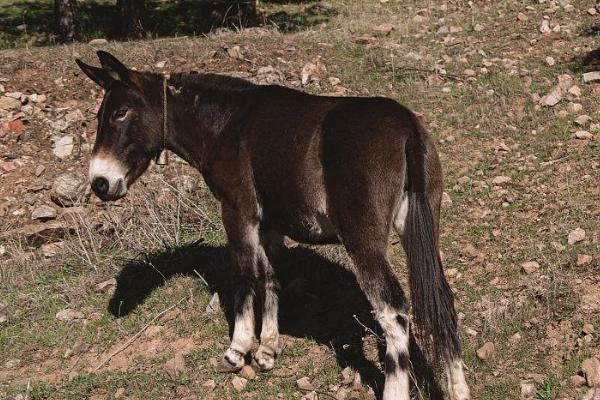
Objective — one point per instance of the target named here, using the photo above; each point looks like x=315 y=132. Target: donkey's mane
x=210 y=81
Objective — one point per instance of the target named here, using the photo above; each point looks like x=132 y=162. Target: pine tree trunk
x=132 y=18
x=65 y=14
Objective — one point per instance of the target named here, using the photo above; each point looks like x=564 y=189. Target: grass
x=155 y=246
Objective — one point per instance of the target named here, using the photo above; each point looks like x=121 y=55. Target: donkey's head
x=130 y=122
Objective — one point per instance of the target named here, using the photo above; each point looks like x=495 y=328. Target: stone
x=270 y=76
x=213 y=306
x=239 y=383
x=588 y=329
x=37 y=234
x=210 y=384
x=43 y=213
x=68 y=315
x=304 y=384
x=3 y=319
x=119 y=393
x=63 y=147
x=357 y=382
x=469 y=72
x=577 y=381
x=574 y=107
x=446 y=200
x=39 y=170
x=68 y=188
x=487 y=351
x=550 y=61
x=175 y=365
x=384 y=28
x=591 y=76
x=105 y=285
x=310 y=396
x=545 y=26
x=247 y=372
x=552 y=98
x=583 y=259
x=527 y=390
x=522 y=17
x=347 y=376
x=575 y=90
x=530 y=267
x=576 y=236
x=499 y=180
x=443 y=31
x=342 y=394
x=582 y=120
x=591 y=371
x=9 y=104
x=235 y=52
x=583 y=135
x=97 y=42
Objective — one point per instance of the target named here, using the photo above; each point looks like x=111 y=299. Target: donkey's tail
x=431 y=297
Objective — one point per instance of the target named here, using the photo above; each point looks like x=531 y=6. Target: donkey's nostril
x=100 y=185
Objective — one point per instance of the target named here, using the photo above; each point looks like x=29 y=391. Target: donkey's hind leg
x=271 y=243
x=376 y=279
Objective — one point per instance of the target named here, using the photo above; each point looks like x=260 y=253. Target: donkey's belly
x=312 y=228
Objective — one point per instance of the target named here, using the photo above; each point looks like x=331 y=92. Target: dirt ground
x=107 y=301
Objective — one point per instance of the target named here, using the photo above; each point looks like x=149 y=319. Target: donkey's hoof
x=265 y=359
x=232 y=361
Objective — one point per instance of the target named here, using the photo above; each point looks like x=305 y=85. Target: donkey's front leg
x=244 y=247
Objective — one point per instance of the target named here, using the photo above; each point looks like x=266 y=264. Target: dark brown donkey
x=282 y=162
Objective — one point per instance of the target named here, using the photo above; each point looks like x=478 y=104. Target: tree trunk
x=65 y=14
x=132 y=18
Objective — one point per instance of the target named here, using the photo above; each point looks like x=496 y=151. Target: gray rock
x=591 y=76
x=63 y=147
x=97 y=42
x=39 y=170
x=214 y=305
x=43 y=213
x=443 y=31
x=68 y=188
x=9 y=104
x=68 y=315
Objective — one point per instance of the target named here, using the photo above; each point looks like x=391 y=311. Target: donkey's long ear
x=96 y=74
x=113 y=67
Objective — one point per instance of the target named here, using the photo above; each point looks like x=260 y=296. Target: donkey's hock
x=317 y=169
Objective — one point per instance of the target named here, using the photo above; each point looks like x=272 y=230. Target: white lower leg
x=269 y=335
x=395 y=327
x=243 y=335
x=457 y=385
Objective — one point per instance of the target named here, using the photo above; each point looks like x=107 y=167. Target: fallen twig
x=134 y=337
x=368 y=329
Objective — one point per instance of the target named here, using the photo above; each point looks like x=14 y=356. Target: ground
x=108 y=301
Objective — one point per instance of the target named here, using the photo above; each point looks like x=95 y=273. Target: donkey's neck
x=196 y=117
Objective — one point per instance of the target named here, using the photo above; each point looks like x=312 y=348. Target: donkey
x=317 y=169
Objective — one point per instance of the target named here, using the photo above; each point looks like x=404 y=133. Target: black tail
x=431 y=297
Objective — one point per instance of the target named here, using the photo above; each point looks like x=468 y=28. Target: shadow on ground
x=32 y=22
x=318 y=300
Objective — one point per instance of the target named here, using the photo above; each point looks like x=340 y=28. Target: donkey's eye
x=120 y=114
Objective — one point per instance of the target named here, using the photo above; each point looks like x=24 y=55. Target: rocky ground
x=130 y=299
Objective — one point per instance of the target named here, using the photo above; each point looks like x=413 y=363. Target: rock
x=270 y=76
x=68 y=315
x=59 y=125
x=213 y=306
x=470 y=250
x=39 y=170
x=574 y=107
x=304 y=384
x=522 y=17
x=545 y=26
x=37 y=234
x=342 y=394
x=582 y=120
x=499 y=180
x=550 y=61
x=313 y=72
x=552 y=98
x=487 y=351
x=239 y=383
x=210 y=384
x=591 y=371
x=446 y=201
x=9 y=104
x=119 y=393
x=247 y=372
x=3 y=319
x=577 y=381
x=592 y=394
x=160 y=64
x=68 y=188
x=357 y=382
x=63 y=147
x=469 y=72
x=235 y=52
x=443 y=31
x=43 y=213
x=347 y=376
x=591 y=76
x=527 y=390
x=16 y=126
x=588 y=329
x=576 y=236
x=583 y=259
x=530 y=267
x=106 y=285
x=175 y=365
x=97 y=42
x=575 y=90
x=384 y=29
x=583 y=135
x=310 y=396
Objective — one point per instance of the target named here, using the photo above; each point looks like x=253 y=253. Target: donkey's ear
x=113 y=67
x=96 y=74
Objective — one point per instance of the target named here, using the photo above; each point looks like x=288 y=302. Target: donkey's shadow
x=320 y=299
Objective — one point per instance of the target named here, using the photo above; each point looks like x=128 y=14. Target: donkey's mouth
x=109 y=191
